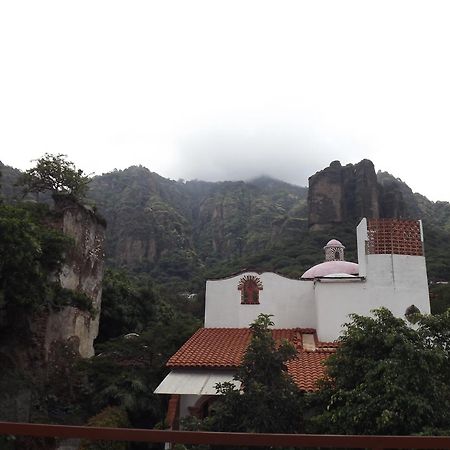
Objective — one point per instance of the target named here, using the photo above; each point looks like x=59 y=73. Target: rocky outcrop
x=397 y=198
x=39 y=347
x=343 y=194
x=82 y=272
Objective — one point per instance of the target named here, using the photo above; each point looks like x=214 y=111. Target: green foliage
x=127 y=307
x=110 y=417
x=58 y=297
x=387 y=378
x=181 y=231
x=437 y=249
x=55 y=174
x=269 y=401
x=31 y=253
x=439 y=298
x=127 y=370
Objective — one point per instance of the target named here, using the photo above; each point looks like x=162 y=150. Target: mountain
x=177 y=229
x=8 y=180
x=179 y=232
x=339 y=194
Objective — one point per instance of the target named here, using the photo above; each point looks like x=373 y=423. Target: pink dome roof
x=334 y=243
x=331 y=267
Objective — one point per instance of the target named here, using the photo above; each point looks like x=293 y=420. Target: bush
x=110 y=417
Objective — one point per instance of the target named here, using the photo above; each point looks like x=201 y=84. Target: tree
x=388 y=377
x=269 y=401
x=127 y=307
x=128 y=369
x=31 y=252
x=55 y=174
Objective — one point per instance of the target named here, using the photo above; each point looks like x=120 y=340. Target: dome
x=334 y=243
x=330 y=268
x=340 y=275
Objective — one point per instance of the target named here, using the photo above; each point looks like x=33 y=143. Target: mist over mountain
x=183 y=231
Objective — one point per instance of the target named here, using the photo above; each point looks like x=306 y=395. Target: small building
x=309 y=312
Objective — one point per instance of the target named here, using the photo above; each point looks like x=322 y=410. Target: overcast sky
x=229 y=89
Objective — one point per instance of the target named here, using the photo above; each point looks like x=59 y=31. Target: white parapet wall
x=335 y=300
x=389 y=280
x=291 y=302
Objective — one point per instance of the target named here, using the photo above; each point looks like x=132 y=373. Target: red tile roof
x=224 y=348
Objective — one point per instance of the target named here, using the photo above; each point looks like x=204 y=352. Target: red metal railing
x=238 y=439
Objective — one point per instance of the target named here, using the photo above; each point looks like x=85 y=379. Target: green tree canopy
x=127 y=307
x=55 y=174
x=269 y=401
x=30 y=252
x=388 y=377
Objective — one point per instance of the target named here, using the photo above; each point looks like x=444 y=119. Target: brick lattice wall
x=394 y=236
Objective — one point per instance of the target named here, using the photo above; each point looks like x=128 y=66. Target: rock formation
x=81 y=272
x=39 y=349
x=343 y=193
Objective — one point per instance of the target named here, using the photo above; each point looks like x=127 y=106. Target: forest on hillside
x=163 y=239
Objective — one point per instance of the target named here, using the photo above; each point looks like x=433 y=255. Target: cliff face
x=38 y=346
x=167 y=227
x=82 y=272
x=397 y=199
x=343 y=193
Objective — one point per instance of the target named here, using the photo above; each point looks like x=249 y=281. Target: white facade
x=324 y=303
x=291 y=302
x=391 y=273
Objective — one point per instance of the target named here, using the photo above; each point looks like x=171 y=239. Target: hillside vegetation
x=163 y=239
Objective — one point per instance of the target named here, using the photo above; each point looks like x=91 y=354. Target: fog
x=229 y=155
x=229 y=90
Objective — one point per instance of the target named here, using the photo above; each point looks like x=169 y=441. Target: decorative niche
x=250 y=286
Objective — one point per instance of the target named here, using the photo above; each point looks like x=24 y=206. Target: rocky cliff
x=180 y=232
x=174 y=228
x=39 y=345
x=81 y=272
x=340 y=194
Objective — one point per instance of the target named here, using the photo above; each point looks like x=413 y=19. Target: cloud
x=286 y=154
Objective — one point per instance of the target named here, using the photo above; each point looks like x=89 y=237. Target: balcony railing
x=235 y=439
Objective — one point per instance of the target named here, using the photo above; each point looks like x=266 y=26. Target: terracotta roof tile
x=225 y=347
x=307 y=369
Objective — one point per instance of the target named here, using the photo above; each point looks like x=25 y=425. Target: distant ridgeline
x=182 y=232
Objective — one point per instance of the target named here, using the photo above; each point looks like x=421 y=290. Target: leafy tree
x=30 y=253
x=55 y=174
x=113 y=417
x=127 y=370
x=269 y=402
x=439 y=298
x=127 y=307
x=388 y=377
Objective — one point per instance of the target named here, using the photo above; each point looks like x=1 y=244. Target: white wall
x=290 y=301
x=334 y=301
x=393 y=281
x=361 y=239
x=398 y=281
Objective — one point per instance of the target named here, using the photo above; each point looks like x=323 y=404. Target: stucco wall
x=393 y=281
x=390 y=280
x=290 y=301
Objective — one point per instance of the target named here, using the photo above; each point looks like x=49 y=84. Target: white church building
x=309 y=311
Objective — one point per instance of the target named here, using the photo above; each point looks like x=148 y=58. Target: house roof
x=224 y=348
